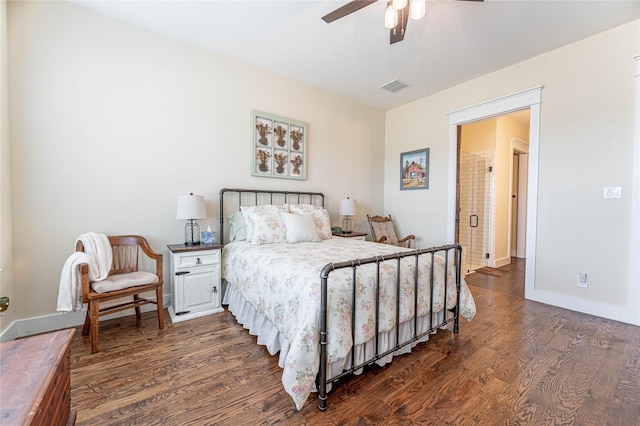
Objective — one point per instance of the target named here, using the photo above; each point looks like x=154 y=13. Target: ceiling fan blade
x=347 y=9
x=397 y=34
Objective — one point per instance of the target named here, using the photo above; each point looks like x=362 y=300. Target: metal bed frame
x=451 y=253
x=316 y=198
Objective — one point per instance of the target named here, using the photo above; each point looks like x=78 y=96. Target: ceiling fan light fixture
x=390 y=16
x=418 y=9
x=399 y=4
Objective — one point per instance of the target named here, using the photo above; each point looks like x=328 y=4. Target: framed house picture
x=414 y=169
x=278 y=146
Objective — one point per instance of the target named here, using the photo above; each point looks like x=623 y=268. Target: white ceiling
x=456 y=41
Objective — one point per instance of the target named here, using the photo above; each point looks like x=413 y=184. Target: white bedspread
x=282 y=283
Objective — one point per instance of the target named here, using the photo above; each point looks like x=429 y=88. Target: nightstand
x=354 y=235
x=195 y=281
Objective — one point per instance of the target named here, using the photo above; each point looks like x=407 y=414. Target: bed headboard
x=232 y=199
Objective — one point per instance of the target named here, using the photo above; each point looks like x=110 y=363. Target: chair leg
x=137 y=308
x=159 y=303
x=95 y=318
x=87 y=322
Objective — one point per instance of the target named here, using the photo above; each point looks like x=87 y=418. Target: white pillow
x=300 y=227
x=237 y=227
x=320 y=217
x=264 y=223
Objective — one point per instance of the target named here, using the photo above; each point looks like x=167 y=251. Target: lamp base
x=191 y=233
x=346 y=225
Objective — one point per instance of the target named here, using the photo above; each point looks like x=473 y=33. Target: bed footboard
x=452 y=259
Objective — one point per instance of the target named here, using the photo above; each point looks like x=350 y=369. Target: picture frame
x=278 y=146
x=414 y=169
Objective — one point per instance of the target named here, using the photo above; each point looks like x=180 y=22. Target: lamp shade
x=347 y=207
x=191 y=207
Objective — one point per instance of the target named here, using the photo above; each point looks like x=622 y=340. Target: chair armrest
x=84 y=281
x=381 y=239
x=85 y=285
x=407 y=238
x=146 y=249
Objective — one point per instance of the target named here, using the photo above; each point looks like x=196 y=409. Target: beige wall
x=478 y=136
x=110 y=123
x=586 y=143
x=6 y=260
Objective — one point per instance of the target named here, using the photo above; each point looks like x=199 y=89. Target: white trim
x=451 y=196
x=499 y=106
x=519 y=145
x=581 y=305
x=634 y=245
x=516 y=145
x=502 y=262
x=531 y=99
x=523 y=171
x=47 y=323
x=532 y=201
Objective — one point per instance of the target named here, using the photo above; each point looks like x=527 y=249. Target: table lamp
x=347 y=209
x=190 y=208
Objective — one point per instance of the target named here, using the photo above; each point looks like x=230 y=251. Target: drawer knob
x=198 y=261
x=215 y=289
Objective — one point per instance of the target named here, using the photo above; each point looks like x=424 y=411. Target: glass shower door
x=474 y=200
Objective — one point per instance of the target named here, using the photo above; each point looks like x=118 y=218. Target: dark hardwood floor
x=517 y=363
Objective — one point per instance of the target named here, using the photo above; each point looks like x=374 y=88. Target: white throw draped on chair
x=98 y=255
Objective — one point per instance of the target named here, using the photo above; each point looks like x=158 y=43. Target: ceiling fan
x=396 y=14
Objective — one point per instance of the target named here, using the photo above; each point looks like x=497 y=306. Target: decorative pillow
x=385 y=228
x=264 y=223
x=237 y=227
x=320 y=217
x=303 y=208
x=300 y=227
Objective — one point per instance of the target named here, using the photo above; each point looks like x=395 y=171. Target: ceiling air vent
x=394 y=86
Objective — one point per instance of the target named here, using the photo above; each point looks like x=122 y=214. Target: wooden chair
x=382 y=231
x=124 y=280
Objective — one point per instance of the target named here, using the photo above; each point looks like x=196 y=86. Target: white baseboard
x=59 y=321
x=616 y=313
x=502 y=262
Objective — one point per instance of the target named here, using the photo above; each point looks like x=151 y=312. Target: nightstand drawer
x=208 y=258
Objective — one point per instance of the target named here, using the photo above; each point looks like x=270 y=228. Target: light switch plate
x=612 y=192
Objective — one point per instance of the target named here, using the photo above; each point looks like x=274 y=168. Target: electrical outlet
x=582 y=279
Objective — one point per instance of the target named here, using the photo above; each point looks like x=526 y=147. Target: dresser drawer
x=190 y=260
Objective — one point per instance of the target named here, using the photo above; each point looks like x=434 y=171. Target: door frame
x=531 y=99
x=520 y=148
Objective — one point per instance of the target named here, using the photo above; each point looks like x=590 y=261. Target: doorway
x=531 y=99
x=492 y=153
